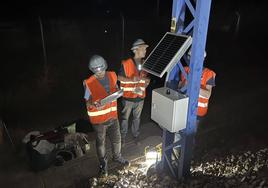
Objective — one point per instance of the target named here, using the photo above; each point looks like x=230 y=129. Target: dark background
x=35 y=94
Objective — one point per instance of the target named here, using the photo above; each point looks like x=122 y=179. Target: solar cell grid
x=167 y=52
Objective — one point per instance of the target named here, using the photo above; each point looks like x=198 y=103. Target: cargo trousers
x=136 y=109
x=112 y=130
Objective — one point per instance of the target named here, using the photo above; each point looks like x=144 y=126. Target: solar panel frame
x=175 y=53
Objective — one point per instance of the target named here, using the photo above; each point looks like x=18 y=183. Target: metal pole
x=158 y=7
x=123 y=34
x=237 y=25
x=202 y=12
x=7 y=132
x=177 y=24
x=43 y=45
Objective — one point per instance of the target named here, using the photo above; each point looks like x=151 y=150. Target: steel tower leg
x=198 y=29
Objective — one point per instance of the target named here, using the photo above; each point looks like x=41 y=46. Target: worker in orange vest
x=207 y=83
x=133 y=81
x=104 y=118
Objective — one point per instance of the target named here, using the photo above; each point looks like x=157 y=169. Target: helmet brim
x=140 y=45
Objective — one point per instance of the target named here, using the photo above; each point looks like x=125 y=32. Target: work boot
x=103 y=171
x=122 y=161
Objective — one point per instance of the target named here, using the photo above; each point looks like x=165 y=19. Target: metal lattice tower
x=197 y=28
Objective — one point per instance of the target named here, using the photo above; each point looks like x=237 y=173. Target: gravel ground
x=244 y=169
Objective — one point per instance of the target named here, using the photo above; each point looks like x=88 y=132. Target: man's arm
x=182 y=84
x=206 y=93
x=147 y=81
x=89 y=103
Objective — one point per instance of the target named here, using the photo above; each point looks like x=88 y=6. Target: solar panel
x=166 y=54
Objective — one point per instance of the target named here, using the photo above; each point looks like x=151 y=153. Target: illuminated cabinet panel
x=169 y=109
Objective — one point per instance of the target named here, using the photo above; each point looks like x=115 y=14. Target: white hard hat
x=138 y=43
x=190 y=53
x=97 y=64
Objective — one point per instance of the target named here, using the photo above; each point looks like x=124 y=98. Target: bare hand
x=138 y=91
x=182 y=84
x=98 y=105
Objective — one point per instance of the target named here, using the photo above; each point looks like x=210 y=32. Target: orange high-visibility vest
x=129 y=86
x=202 y=101
x=98 y=92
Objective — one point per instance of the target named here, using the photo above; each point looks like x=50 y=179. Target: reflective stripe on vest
x=132 y=89
x=204 y=105
x=102 y=112
x=130 y=86
x=131 y=82
x=200 y=96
